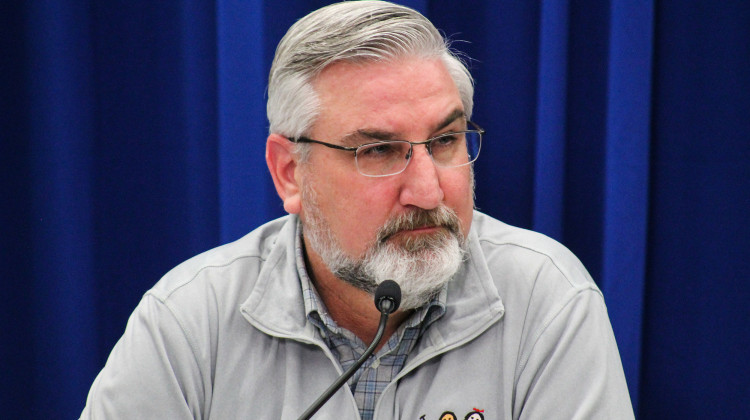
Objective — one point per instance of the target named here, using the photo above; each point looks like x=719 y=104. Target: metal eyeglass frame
x=428 y=143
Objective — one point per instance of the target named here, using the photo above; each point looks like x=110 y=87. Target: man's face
x=411 y=99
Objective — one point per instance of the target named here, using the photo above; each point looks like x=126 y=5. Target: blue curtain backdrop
x=132 y=137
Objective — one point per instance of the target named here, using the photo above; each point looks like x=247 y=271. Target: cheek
x=369 y=209
x=459 y=196
x=356 y=209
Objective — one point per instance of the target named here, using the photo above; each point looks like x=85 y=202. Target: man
x=370 y=150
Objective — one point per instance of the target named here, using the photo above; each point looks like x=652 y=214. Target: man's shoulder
x=521 y=250
x=232 y=265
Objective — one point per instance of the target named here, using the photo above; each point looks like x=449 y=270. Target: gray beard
x=420 y=265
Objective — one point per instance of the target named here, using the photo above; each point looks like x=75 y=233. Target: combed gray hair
x=352 y=31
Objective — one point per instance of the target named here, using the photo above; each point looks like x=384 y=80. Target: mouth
x=416 y=231
x=423 y=229
x=420 y=226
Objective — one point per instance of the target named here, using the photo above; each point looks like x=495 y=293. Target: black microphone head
x=388 y=296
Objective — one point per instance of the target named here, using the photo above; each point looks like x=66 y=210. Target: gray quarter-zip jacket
x=224 y=335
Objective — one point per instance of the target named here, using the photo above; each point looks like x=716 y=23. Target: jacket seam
x=173 y=290
x=536 y=251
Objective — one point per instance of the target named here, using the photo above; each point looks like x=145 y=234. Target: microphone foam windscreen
x=389 y=289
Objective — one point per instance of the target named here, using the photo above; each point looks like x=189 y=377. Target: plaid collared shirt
x=379 y=370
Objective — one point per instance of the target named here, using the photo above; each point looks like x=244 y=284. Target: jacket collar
x=275 y=304
x=473 y=301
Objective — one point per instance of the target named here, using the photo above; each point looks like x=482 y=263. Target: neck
x=350 y=307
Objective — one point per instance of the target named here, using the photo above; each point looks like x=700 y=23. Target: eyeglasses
x=390 y=157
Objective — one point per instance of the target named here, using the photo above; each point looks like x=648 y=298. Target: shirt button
x=375 y=364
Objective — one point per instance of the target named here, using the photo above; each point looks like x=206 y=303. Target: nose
x=421 y=181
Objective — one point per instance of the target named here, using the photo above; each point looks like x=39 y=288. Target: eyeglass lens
x=388 y=158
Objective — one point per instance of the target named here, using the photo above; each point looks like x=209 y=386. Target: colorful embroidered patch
x=475 y=414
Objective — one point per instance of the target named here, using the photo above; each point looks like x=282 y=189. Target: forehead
x=393 y=96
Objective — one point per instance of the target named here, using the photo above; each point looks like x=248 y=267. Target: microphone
x=387 y=300
x=387 y=297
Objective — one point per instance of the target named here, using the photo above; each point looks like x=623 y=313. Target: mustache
x=442 y=216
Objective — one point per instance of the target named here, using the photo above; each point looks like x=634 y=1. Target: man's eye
x=378 y=150
x=446 y=140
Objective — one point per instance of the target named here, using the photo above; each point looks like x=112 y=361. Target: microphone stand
x=387 y=300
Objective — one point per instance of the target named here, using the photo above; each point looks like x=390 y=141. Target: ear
x=283 y=167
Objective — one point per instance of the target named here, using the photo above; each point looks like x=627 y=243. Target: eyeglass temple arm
x=333 y=146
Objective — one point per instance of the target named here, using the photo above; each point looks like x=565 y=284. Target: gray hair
x=352 y=31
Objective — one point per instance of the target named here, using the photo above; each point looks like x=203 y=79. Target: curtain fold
x=133 y=137
x=246 y=192
x=551 y=125
x=626 y=179
x=61 y=283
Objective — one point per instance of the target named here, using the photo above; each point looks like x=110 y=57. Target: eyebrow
x=364 y=135
x=453 y=116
